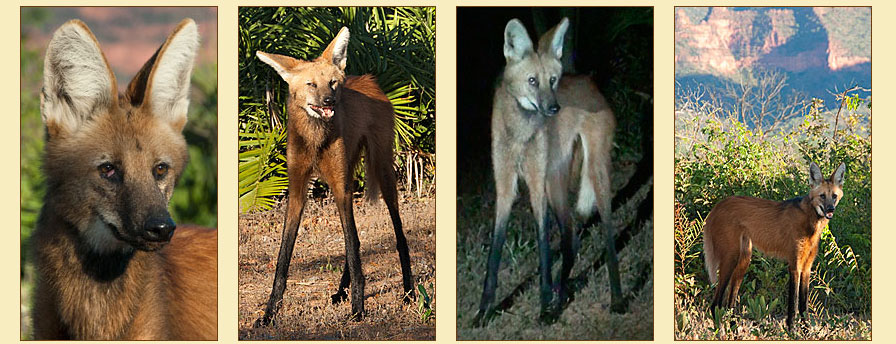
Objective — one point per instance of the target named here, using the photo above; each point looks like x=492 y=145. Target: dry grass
x=586 y=318
x=317 y=266
x=693 y=322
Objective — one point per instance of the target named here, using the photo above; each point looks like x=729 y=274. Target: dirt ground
x=588 y=316
x=316 y=267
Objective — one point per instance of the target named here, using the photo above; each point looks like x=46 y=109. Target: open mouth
x=829 y=215
x=325 y=112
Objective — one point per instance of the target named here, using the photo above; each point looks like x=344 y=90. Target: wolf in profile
x=788 y=230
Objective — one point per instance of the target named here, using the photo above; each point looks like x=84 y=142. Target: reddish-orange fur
x=353 y=114
x=788 y=230
x=168 y=294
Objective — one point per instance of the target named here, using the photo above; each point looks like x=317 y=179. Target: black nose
x=329 y=101
x=553 y=109
x=159 y=228
x=830 y=209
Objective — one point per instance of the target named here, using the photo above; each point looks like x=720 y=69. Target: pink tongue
x=328 y=112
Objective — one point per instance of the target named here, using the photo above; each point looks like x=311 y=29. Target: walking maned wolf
x=331 y=118
x=539 y=120
x=789 y=230
x=110 y=264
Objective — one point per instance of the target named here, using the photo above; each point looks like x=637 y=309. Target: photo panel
x=119 y=173
x=555 y=173
x=336 y=173
x=772 y=180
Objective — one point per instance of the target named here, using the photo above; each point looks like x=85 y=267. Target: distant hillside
x=818 y=49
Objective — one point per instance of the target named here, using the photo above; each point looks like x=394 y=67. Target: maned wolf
x=789 y=230
x=539 y=121
x=332 y=117
x=110 y=264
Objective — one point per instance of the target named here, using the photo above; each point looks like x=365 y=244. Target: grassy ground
x=588 y=315
x=317 y=266
x=693 y=322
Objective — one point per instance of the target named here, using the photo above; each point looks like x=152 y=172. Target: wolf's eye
x=107 y=170
x=834 y=196
x=160 y=170
x=823 y=196
x=333 y=84
x=311 y=84
x=553 y=80
x=532 y=80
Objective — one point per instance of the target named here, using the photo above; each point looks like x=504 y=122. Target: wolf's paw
x=264 y=321
x=409 y=296
x=340 y=296
x=619 y=306
x=549 y=315
x=357 y=314
x=482 y=318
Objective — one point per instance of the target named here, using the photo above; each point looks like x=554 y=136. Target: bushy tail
x=709 y=257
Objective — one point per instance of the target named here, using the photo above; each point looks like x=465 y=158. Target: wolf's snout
x=553 y=109
x=329 y=101
x=159 y=228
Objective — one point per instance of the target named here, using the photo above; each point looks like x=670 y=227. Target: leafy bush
x=396 y=44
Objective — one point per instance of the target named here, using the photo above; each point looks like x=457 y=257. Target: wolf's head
x=314 y=86
x=532 y=77
x=112 y=162
x=826 y=193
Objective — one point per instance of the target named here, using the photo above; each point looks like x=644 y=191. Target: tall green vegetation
x=718 y=155
x=396 y=45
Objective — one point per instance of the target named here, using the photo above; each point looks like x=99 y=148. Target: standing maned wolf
x=539 y=120
x=331 y=117
x=789 y=230
x=110 y=264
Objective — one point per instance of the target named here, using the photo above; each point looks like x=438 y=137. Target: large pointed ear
x=552 y=41
x=516 y=41
x=163 y=84
x=77 y=80
x=837 y=176
x=336 y=52
x=282 y=64
x=815 y=177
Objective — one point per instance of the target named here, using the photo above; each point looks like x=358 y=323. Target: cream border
x=883 y=26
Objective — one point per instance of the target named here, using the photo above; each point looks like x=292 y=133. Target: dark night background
x=614 y=45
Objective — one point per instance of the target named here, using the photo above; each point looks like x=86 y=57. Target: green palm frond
x=262 y=168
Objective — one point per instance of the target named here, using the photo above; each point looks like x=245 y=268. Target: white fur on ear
x=170 y=79
x=340 y=47
x=815 y=176
x=272 y=60
x=557 y=40
x=837 y=177
x=516 y=40
x=77 y=79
